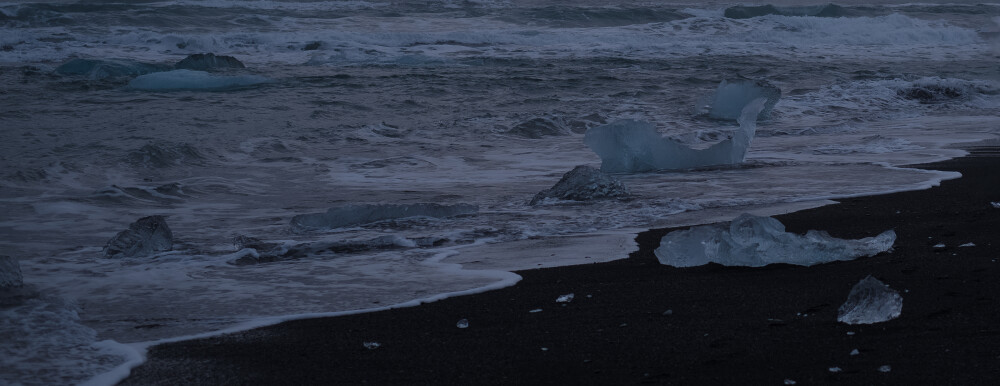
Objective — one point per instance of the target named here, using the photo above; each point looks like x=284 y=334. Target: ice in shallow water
x=352 y=215
x=870 y=301
x=583 y=183
x=193 y=80
x=143 y=237
x=733 y=95
x=758 y=241
x=630 y=146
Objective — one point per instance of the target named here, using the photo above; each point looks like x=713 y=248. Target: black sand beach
x=636 y=321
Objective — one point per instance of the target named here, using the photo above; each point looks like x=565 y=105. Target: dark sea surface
x=457 y=103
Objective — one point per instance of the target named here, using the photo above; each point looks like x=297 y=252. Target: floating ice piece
x=870 y=301
x=855 y=352
x=885 y=368
x=630 y=146
x=207 y=62
x=372 y=345
x=107 y=68
x=464 y=323
x=583 y=183
x=733 y=95
x=538 y=128
x=746 y=12
x=193 y=80
x=967 y=245
x=10 y=273
x=564 y=298
x=352 y=215
x=143 y=237
x=757 y=241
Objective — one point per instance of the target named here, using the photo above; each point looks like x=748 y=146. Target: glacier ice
x=145 y=236
x=583 y=183
x=462 y=323
x=10 y=273
x=352 y=215
x=870 y=301
x=565 y=298
x=733 y=95
x=749 y=11
x=758 y=241
x=631 y=146
x=107 y=68
x=193 y=80
x=207 y=62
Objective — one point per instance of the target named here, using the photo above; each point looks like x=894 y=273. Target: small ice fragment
x=758 y=241
x=464 y=323
x=885 y=368
x=372 y=345
x=939 y=245
x=870 y=301
x=835 y=369
x=668 y=312
x=535 y=310
x=995 y=204
x=564 y=298
x=967 y=245
x=623 y=325
x=545 y=349
x=855 y=352
x=144 y=237
x=849 y=333
x=789 y=382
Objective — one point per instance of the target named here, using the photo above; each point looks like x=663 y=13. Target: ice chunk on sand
x=107 y=68
x=885 y=368
x=351 y=215
x=143 y=237
x=463 y=323
x=207 y=62
x=193 y=80
x=732 y=95
x=564 y=298
x=583 y=183
x=10 y=273
x=757 y=241
x=870 y=301
x=630 y=146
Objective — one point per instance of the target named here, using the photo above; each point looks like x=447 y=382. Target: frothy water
x=452 y=103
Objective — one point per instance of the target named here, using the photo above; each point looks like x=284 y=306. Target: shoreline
x=725 y=325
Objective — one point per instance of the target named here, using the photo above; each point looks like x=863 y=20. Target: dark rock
x=207 y=62
x=584 y=183
x=929 y=93
x=143 y=237
x=312 y=46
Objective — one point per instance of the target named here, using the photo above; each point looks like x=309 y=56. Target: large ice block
x=583 y=183
x=758 y=241
x=352 y=215
x=143 y=237
x=870 y=301
x=631 y=146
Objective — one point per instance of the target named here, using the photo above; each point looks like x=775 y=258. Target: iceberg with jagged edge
x=870 y=301
x=756 y=241
x=732 y=95
x=352 y=215
x=146 y=236
x=193 y=80
x=631 y=146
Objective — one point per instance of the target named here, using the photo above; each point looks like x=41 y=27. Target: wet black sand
x=732 y=326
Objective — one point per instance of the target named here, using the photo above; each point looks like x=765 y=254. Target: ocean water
x=479 y=103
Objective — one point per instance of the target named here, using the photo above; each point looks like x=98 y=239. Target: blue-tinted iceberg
x=10 y=273
x=193 y=80
x=107 y=68
x=870 y=301
x=146 y=236
x=583 y=183
x=758 y=241
x=352 y=215
x=733 y=95
x=631 y=146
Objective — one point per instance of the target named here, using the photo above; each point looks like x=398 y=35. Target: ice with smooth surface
x=870 y=301
x=352 y=215
x=146 y=236
x=758 y=241
x=10 y=273
x=193 y=80
x=565 y=298
x=583 y=183
x=733 y=95
x=630 y=146
x=107 y=68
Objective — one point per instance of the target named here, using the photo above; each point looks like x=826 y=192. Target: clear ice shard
x=193 y=80
x=732 y=95
x=463 y=323
x=870 y=301
x=565 y=298
x=630 y=146
x=352 y=215
x=143 y=237
x=758 y=241
x=583 y=183
x=10 y=273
